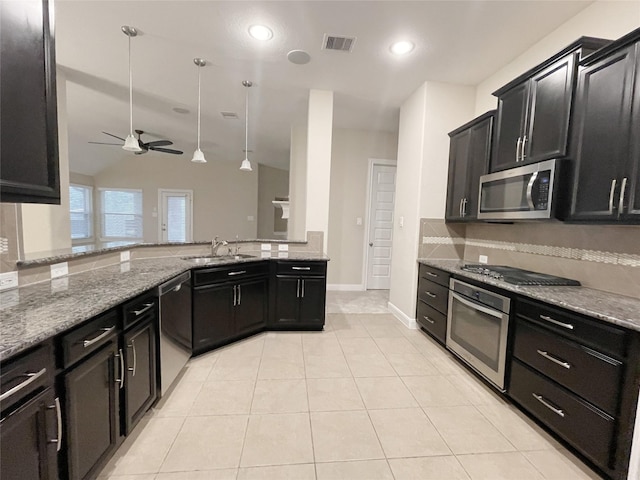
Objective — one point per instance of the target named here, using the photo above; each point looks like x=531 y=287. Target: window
x=81 y=212
x=121 y=215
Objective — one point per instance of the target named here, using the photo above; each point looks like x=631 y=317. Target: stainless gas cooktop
x=517 y=276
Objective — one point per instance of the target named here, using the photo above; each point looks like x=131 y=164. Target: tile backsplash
x=601 y=257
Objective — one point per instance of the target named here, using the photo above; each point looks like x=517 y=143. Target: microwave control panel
x=540 y=193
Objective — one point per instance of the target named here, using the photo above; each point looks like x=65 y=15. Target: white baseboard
x=346 y=287
x=408 y=322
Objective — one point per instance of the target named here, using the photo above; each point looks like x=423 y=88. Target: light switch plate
x=358 y=221
x=125 y=256
x=283 y=254
x=8 y=280
x=265 y=254
x=59 y=270
x=283 y=248
x=250 y=218
x=265 y=247
x=483 y=259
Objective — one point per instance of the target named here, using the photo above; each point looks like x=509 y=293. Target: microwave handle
x=532 y=181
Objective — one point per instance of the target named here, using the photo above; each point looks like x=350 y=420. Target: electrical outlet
x=283 y=248
x=125 y=256
x=424 y=240
x=8 y=280
x=125 y=267
x=283 y=254
x=401 y=222
x=358 y=221
x=59 y=270
x=265 y=247
x=483 y=259
x=59 y=284
x=265 y=254
x=250 y=218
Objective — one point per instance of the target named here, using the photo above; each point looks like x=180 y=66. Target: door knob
x=371 y=244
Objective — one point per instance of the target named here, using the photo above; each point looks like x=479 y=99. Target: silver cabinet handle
x=302 y=295
x=32 y=377
x=239 y=294
x=235 y=296
x=120 y=358
x=518 y=149
x=460 y=208
x=568 y=326
x=298 y=289
x=105 y=331
x=522 y=154
x=553 y=359
x=623 y=187
x=135 y=358
x=147 y=306
x=464 y=207
x=546 y=403
x=613 y=189
x=432 y=295
x=231 y=274
x=301 y=268
x=475 y=306
x=58 y=439
x=428 y=319
x=532 y=181
x=432 y=274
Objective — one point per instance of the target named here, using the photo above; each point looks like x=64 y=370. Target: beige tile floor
x=365 y=399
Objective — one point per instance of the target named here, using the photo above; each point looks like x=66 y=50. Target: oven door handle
x=475 y=306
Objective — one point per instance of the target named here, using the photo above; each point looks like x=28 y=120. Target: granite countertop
x=31 y=314
x=609 y=307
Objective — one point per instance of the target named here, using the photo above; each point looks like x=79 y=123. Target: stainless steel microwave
x=521 y=193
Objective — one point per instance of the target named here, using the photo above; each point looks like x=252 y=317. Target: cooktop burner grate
x=517 y=276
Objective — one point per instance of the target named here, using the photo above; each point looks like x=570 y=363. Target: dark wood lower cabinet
x=299 y=302
x=212 y=315
x=251 y=306
x=92 y=424
x=29 y=440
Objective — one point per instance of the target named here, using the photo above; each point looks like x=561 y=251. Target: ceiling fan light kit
x=246 y=164
x=198 y=156
x=130 y=144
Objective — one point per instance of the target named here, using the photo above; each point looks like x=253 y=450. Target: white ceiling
x=456 y=41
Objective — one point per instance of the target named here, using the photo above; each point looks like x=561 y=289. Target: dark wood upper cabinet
x=605 y=152
x=469 y=153
x=28 y=111
x=532 y=121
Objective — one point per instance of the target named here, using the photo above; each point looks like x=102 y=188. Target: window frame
x=91 y=213
x=103 y=237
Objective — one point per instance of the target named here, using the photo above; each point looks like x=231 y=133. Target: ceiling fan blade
x=114 y=136
x=103 y=143
x=159 y=143
x=166 y=150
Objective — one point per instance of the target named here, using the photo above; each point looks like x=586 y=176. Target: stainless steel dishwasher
x=175 y=328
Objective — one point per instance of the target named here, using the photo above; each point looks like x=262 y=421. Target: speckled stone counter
x=31 y=314
x=609 y=307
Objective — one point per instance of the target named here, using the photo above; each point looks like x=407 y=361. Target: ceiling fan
x=156 y=145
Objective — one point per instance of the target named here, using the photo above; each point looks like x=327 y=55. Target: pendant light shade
x=246 y=164
x=198 y=156
x=131 y=143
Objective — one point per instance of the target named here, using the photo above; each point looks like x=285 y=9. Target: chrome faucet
x=215 y=245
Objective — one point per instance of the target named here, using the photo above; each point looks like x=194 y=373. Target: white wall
x=223 y=196
x=272 y=182
x=426 y=117
x=603 y=19
x=298 y=183
x=350 y=154
x=47 y=228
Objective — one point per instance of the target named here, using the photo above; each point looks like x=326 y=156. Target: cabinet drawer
x=141 y=308
x=301 y=268
x=25 y=374
x=88 y=338
x=584 y=426
x=434 y=275
x=229 y=273
x=590 y=374
x=603 y=337
x=433 y=294
x=432 y=321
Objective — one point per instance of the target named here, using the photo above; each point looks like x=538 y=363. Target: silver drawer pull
x=146 y=306
x=135 y=358
x=553 y=359
x=105 y=331
x=546 y=403
x=568 y=326
x=32 y=377
x=120 y=357
x=428 y=319
x=613 y=189
x=58 y=439
x=432 y=274
x=623 y=187
x=432 y=295
x=300 y=268
x=231 y=274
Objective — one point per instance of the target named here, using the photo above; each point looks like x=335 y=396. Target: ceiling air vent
x=229 y=115
x=335 y=42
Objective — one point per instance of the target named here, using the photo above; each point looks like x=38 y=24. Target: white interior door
x=176 y=207
x=381 y=202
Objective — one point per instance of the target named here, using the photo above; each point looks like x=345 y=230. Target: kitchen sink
x=218 y=259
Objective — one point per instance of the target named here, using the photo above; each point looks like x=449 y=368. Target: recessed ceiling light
x=260 y=32
x=401 y=48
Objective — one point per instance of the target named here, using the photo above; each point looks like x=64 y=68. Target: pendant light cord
x=130 y=91
x=246 y=126
x=199 y=67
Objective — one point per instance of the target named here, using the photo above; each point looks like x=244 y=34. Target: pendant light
x=246 y=164
x=198 y=156
x=131 y=143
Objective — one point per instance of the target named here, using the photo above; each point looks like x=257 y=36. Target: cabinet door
x=631 y=200
x=250 y=310
x=212 y=315
x=287 y=299
x=600 y=135
x=457 y=184
x=512 y=109
x=478 y=164
x=548 y=115
x=28 y=118
x=27 y=452
x=91 y=407
x=313 y=293
x=140 y=385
